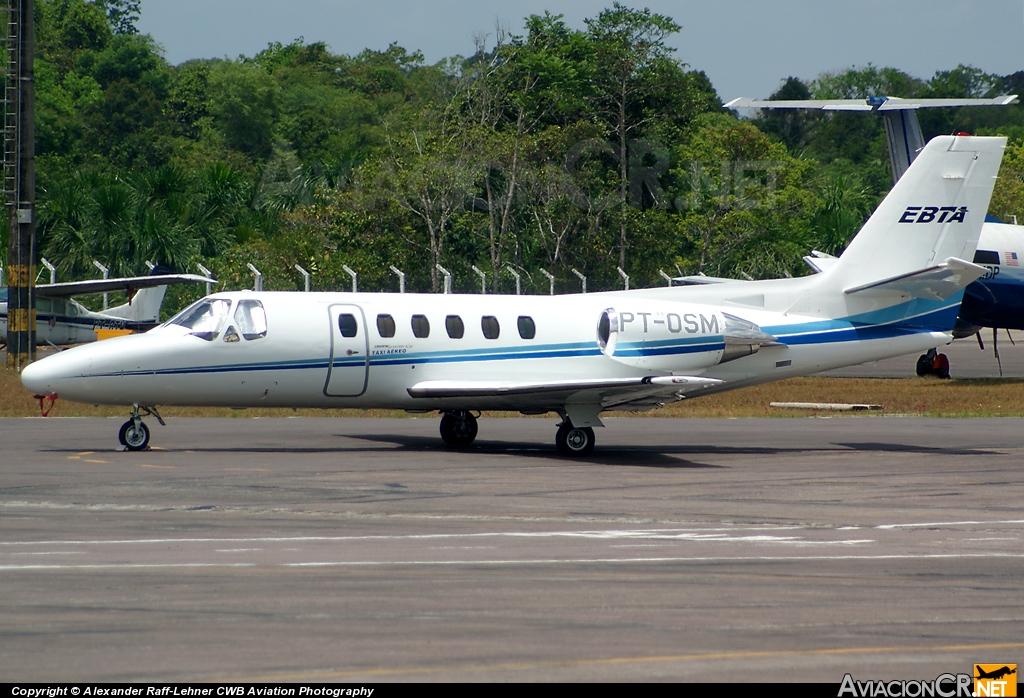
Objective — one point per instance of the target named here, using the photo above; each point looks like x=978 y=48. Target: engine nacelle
x=676 y=336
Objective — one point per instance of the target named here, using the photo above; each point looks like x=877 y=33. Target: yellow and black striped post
x=19 y=182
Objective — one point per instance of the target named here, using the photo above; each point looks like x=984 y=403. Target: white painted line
x=579 y=561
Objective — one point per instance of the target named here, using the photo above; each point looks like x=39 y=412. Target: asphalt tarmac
x=359 y=550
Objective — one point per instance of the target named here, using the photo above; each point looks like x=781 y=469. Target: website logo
x=998 y=680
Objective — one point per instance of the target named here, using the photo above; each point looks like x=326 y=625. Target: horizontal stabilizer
x=871 y=104
x=701 y=280
x=934 y=283
x=819 y=261
x=68 y=289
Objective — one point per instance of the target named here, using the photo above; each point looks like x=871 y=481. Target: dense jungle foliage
x=560 y=149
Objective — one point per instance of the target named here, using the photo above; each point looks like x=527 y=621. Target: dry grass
x=914 y=396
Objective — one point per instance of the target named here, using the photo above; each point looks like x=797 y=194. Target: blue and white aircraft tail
x=894 y=291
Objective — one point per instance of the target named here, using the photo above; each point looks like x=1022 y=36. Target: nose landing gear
x=134 y=434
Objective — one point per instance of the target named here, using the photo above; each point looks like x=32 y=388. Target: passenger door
x=349 y=367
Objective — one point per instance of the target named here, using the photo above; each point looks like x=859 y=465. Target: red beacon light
x=963 y=133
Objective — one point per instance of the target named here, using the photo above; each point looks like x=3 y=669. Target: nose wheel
x=458 y=428
x=134 y=434
x=575 y=442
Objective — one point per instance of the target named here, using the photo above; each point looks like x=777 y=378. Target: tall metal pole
x=19 y=182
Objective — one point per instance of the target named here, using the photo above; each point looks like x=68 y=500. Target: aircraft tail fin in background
x=933 y=215
x=144 y=306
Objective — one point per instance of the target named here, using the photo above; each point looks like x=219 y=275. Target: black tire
x=924 y=366
x=575 y=442
x=458 y=430
x=132 y=437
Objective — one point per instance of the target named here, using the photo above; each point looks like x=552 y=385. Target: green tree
x=630 y=61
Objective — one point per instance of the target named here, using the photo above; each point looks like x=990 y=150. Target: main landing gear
x=458 y=428
x=575 y=442
x=134 y=434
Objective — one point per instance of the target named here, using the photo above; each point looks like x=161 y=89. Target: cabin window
x=230 y=335
x=456 y=330
x=385 y=326
x=986 y=257
x=42 y=305
x=527 y=330
x=420 y=326
x=204 y=318
x=347 y=324
x=489 y=324
x=59 y=308
x=251 y=319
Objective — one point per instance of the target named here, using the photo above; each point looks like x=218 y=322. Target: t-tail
x=144 y=306
x=914 y=250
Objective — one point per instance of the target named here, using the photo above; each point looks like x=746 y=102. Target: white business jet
x=895 y=290
x=62 y=320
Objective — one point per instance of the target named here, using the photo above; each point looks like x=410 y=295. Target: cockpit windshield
x=203 y=318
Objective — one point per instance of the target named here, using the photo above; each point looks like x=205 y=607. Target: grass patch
x=926 y=397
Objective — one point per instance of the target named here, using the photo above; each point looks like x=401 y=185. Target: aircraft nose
x=44 y=377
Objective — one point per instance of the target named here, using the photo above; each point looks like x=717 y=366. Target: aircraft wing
x=68 y=289
x=639 y=393
x=701 y=280
x=935 y=283
x=879 y=103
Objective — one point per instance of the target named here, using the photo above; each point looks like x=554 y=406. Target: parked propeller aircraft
x=997 y=299
x=62 y=320
x=895 y=290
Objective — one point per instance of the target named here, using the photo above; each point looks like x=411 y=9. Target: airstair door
x=349 y=367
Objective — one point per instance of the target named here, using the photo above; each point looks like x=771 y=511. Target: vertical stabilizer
x=933 y=213
x=144 y=307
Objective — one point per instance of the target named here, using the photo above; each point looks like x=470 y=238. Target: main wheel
x=924 y=365
x=458 y=429
x=574 y=441
x=134 y=435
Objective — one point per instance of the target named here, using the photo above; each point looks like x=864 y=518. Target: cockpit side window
x=251 y=319
x=204 y=318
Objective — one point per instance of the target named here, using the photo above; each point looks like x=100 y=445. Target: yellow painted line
x=608 y=661
x=146 y=465
x=79 y=455
x=90 y=460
